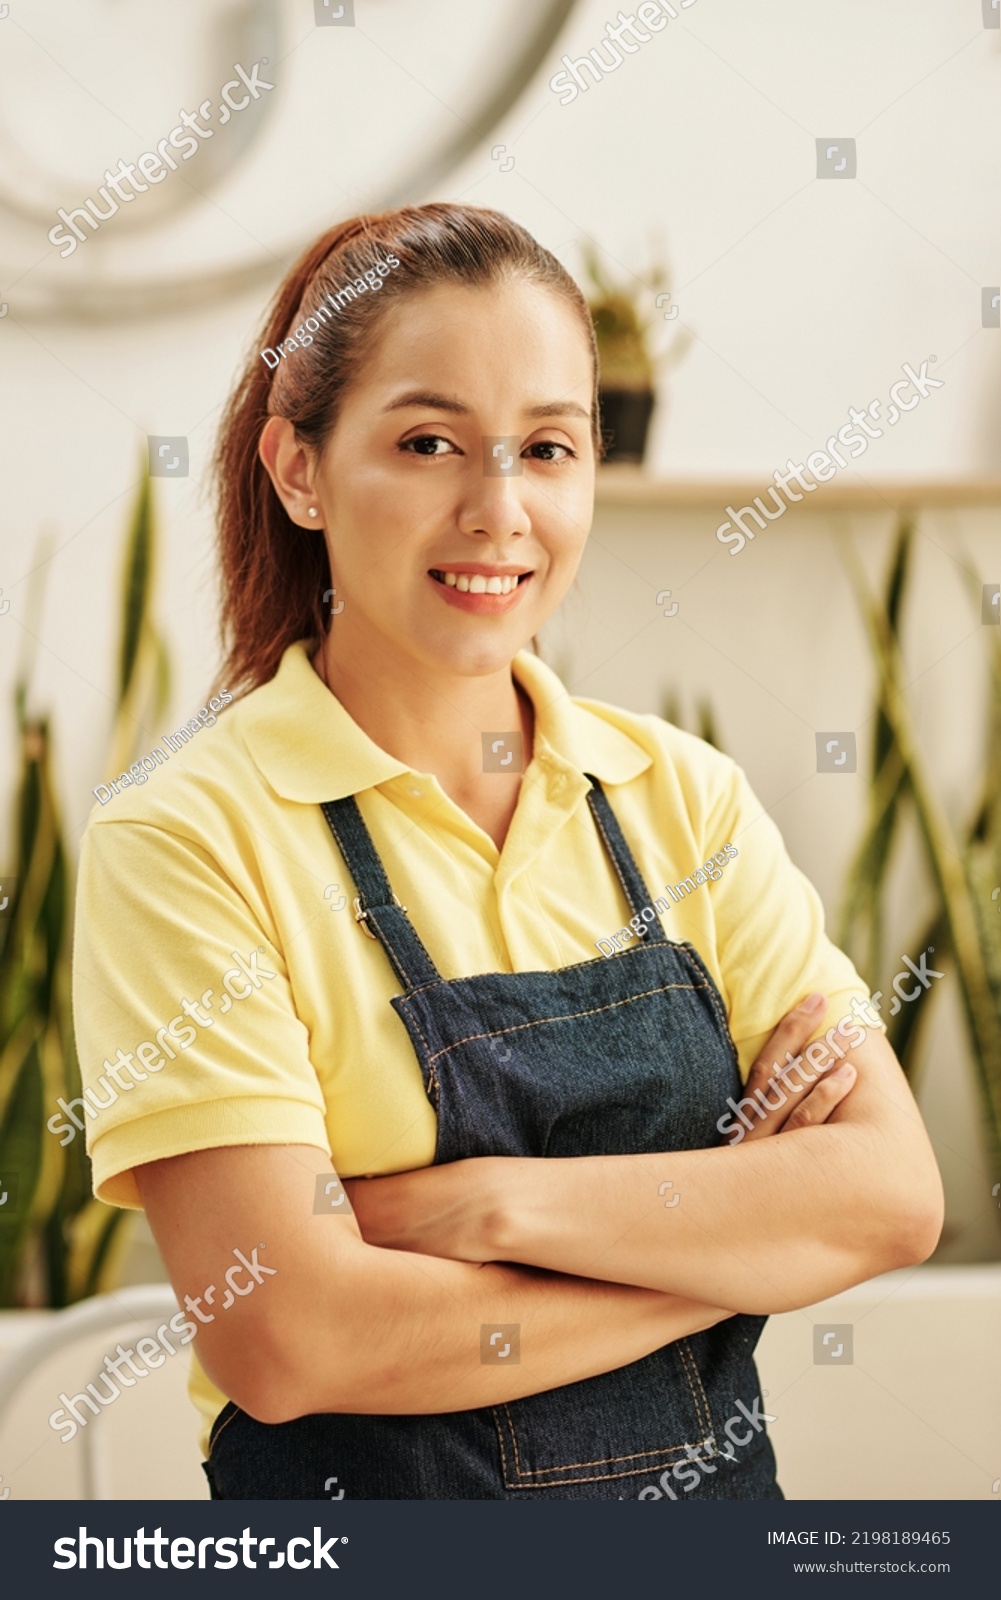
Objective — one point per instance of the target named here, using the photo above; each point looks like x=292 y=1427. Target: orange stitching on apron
x=612 y=856
x=569 y=1016
x=661 y=1455
x=694 y=960
x=702 y=1411
x=703 y=1415
x=575 y=966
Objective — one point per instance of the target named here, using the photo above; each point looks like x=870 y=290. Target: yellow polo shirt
x=217 y=950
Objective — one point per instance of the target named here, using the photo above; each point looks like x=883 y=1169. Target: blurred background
x=749 y=287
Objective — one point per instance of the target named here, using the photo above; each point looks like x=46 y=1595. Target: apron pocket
x=627 y=1423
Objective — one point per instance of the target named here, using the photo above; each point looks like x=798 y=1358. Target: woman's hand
x=446 y=1210
x=805 y=1096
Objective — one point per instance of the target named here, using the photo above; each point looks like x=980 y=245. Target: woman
x=397 y=852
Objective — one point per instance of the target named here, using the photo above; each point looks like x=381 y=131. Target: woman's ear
x=289 y=467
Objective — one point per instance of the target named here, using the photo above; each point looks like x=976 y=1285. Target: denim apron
x=617 y=1056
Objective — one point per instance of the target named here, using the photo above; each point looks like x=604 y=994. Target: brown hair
x=274 y=573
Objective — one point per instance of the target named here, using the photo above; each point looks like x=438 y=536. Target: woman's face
x=456 y=489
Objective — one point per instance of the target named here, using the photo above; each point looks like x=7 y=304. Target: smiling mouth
x=478 y=583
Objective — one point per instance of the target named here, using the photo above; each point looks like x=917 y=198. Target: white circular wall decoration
x=157 y=156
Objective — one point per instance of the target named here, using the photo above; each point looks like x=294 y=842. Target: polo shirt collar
x=304 y=742
x=309 y=749
x=569 y=731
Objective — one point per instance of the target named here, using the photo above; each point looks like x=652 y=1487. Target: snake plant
x=962 y=860
x=57 y=1243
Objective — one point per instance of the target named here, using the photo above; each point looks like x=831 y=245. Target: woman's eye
x=427 y=444
x=545 y=450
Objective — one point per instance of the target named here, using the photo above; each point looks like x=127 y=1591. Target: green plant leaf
x=135 y=587
x=905 y=1030
x=952 y=865
x=860 y=920
x=707 y=726
x=21 y=1134
x=62 y=1243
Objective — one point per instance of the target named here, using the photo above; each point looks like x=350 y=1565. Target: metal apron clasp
x=361 y=915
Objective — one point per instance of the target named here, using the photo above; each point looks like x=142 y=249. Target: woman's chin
x=477 y=659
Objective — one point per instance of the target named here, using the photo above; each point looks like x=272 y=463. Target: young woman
x=358 y=917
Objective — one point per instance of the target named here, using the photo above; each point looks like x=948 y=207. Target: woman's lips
x=482 y=604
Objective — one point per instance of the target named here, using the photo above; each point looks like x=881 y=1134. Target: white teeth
x=476 y=583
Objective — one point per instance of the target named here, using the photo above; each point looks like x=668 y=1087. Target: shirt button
x=416 y=793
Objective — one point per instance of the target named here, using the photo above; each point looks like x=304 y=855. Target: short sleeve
x=772 y=947
x=186 y=1028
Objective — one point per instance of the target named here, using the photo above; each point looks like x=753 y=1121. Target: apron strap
x=630 y=877
x=377 y=909
x=382 y=916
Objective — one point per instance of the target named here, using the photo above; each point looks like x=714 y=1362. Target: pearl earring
x=312 y=512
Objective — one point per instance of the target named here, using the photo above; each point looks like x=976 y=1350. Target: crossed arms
x=381 y=1312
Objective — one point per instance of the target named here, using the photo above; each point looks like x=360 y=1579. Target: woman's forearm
x=776 y=1223
x=740 y=1228
x=769 y=1227
x=400 y=1333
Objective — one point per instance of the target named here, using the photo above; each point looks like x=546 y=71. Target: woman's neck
x=436 y=724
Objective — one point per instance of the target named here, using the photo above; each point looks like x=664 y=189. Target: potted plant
x=625 y=319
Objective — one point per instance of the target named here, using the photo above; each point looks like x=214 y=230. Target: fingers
x=772 y=1084
x=826 y=1093
x=792 y=1033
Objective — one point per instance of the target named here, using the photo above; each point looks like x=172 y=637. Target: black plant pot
x=625 y=423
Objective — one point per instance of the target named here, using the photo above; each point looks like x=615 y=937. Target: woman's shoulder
x=222 y=768
x=197 y=775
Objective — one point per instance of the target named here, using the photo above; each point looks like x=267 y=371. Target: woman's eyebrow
x=442 y=402
x=429 y=401
x=559 y=408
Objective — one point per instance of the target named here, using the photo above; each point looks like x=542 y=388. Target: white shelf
x=633 y=486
